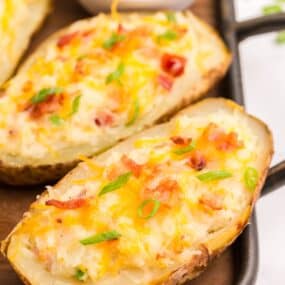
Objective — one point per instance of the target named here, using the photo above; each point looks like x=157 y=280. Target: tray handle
x=275 y=179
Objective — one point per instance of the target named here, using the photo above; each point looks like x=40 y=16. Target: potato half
x=98 y=81
x=19 y=19
x=154 y=209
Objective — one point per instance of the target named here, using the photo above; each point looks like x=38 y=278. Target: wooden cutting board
x=14 y=201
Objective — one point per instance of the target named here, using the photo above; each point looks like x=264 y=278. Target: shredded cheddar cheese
x=82 y=70
x=142 y=205
x=114 y=9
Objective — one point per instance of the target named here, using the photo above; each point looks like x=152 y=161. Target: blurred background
x=263 y=65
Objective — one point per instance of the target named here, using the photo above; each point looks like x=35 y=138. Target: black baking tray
x=246 y=248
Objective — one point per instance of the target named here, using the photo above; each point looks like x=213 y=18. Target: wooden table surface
x=14 y=201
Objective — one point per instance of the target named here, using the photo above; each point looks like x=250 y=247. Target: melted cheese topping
x=114 y=67
x=114 y=8
x=191 y=210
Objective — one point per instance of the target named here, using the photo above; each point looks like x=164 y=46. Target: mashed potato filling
x=98 y=81
x=145 y=207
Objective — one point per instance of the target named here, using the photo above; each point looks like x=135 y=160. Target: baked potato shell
x=25 y=19
x=24 y=172
x=206 y=251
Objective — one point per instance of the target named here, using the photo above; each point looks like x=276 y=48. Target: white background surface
x=263 y=67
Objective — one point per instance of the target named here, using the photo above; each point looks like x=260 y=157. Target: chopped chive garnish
x=56 y=120
x=250 y=178
x=214 y=175
x=180 y=151
x=167 y=36
x=113 y=40
x=116 y=75
x=116 y=184
x=171 y=17
x=155 y=208
x=75 y=105
x=81 y=275
x=136 y=111
x=105 y=236
x=43 y=94
x=272 y=9
x=280 y=39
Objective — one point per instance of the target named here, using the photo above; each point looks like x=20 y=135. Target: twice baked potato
x=99 y=81
x=154 y=209
x=19 y=19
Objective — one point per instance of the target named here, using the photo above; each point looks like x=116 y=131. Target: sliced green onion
x=56 y=120
x=135 y=114
x=214 y=175
x=43 y=94
x=167 y=36
x=280 y=39
x=81 y=57
x=105 y=236
x=116 y=184
x=116 y=75
x=156 y=206
x=113 y=40
x=272 y=9
x=171 y=17
x=250 y=178
x=75 y=105
x=81 y=275
x=180 y=151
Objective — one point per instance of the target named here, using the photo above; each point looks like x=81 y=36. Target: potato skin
x=7 y=70
x=29 y=174
x=33 y=175
x=213 y=247
x=190 y=270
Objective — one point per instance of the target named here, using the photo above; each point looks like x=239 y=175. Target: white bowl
x=95 y=6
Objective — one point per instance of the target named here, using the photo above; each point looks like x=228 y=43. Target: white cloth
x=263 y=68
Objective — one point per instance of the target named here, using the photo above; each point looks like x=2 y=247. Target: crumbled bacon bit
x=121 y=29
x=134 y=167
x=180 y=140
x=2 y=92
x=230 y=142
x=104 y=119
x=81 y=68
x=66 y=39
x=173 y=64
x=12 y=133
x=67 y=205
x=197 y=160
x=182 y=30
x=159 y=256
x=221 y=140
x=50 y=105
x=112 y=172
x=87 y=33
x=211 y=201
x=165 y=191
x=59 y=220
x=165 y=81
